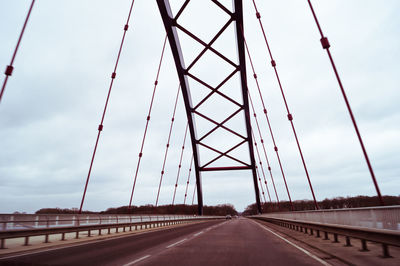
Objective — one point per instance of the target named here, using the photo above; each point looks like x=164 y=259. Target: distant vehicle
x=228 y=217
x=235 y=216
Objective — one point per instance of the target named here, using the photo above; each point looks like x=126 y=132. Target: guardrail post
x=109 y=230
x=348 y=243
x=99 y=232
x=77 y=235
x=3 y=244
x=62 y=236
x=46 y=238
x=89 y=233
x=326 y=237
x=311 y=231
x=305 y=230
x=364 y=245
x=26 y=241
x=318 y=234
x=335 y=238
x=385 y=250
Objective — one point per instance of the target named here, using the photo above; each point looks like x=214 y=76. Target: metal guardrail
x=27 y=225
x=39 y=221
x=378 y=224
x=387 y=217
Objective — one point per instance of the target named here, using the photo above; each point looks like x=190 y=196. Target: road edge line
x=294 y=245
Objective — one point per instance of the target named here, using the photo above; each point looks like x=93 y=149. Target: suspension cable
x=326 y=45
x=262 y=189
x=180 y=163
x=268 y=122
x=10 y=67
x=259 y=178
x=289 y=115
x=147 y=122
x=263 y=146
x=194 y=192
x=167 y=147
x=188 y=179
x=262 y=169
x=100 y=127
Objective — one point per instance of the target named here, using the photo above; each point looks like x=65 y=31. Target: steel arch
x=235 y=17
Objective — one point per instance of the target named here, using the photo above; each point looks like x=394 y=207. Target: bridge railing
x=39 y=221
x=370 y=217
x=376 y=224
x=28 y=225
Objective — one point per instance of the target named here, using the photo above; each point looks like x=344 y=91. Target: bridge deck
x=231 y=242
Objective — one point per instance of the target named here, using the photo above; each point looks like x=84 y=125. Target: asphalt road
x=231 y=242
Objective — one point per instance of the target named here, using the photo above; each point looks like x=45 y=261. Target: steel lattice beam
x=235 y=17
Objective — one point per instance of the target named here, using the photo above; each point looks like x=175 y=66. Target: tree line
x=225 y=209
x=218 y=210
x=334 y=203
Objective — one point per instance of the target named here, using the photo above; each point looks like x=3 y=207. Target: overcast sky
x=53 y=102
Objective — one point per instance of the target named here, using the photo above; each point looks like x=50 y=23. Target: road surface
x=231 y=242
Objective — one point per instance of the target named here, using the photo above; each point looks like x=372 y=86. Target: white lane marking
x=296 y=246
x=199 y=233
x=70 y=245
x=77 y=245
x=135 y=261
x=177 y=243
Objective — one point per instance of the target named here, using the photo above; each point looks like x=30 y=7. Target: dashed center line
x=199 y=233
x=137 y=260
x=177 y=243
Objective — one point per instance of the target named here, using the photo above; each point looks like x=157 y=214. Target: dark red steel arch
x=171 y=26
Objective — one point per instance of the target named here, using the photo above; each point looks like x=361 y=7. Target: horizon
x=221 y=204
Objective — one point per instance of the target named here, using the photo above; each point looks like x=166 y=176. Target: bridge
x=212 y=111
